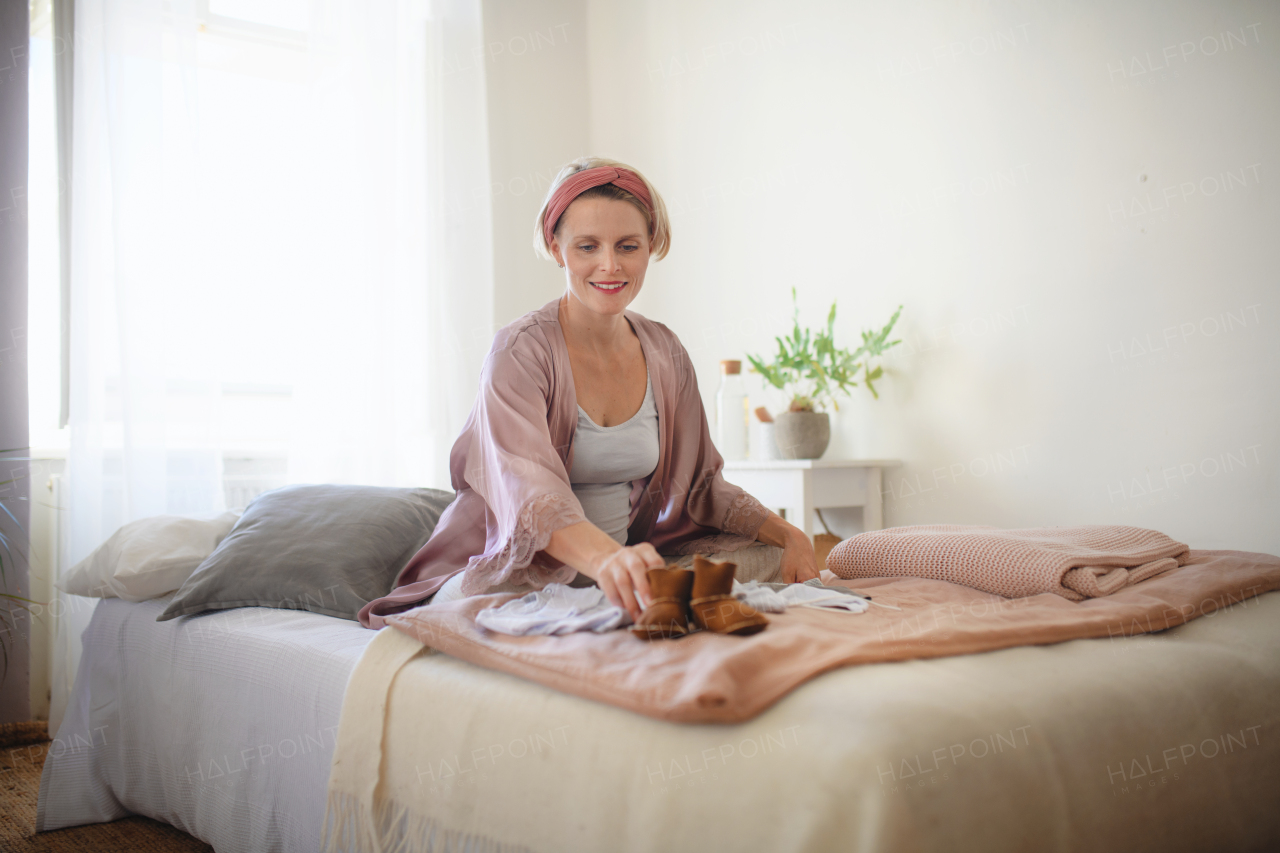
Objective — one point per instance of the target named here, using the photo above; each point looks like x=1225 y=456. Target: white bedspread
x=221 y=724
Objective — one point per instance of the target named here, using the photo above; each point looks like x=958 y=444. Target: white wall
x=539 y=118
x=1075 y=204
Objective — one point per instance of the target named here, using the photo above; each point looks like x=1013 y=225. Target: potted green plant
x=813 y=371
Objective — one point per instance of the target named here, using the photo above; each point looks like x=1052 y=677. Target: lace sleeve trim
x=745 y=516
x=538 y=519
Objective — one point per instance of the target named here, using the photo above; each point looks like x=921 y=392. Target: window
x=250 y=252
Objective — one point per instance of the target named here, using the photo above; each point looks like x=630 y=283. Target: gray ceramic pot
x=802 y=435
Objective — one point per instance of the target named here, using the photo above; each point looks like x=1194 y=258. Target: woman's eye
x=630 y=247
x=586 y=248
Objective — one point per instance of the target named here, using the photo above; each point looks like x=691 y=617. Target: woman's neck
x=585 y=329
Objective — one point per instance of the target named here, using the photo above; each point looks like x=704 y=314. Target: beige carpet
x=23 y=747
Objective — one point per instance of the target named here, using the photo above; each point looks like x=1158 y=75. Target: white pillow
x=148 y=557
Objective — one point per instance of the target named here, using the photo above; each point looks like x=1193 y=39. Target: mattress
x=1164 y=742
x=221 y=724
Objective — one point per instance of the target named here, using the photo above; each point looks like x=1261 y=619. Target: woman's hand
x=798 y=561
x=619 y=570
x=622 y=576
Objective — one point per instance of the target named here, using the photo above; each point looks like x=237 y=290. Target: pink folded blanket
x=1073 y=562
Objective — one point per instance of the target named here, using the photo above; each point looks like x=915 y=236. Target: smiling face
x=604 y=246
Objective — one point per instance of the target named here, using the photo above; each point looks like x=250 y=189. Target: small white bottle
x=731 y=412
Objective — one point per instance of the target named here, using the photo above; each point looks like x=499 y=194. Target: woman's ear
x=555 y=253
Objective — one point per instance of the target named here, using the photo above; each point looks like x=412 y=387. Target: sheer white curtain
x=278 y=255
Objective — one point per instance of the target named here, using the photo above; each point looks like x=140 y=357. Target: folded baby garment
x=557 y=609
x=761 y=596
x=553 y=610
x=777 y=597
x=814 y=593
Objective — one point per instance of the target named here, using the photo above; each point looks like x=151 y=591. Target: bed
x=224 y=725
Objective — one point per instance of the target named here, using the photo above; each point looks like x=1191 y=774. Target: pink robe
x=510 y=468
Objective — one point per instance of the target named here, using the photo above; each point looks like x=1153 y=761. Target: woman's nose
x=609 y=259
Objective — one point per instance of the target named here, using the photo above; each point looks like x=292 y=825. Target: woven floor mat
x=23 y=747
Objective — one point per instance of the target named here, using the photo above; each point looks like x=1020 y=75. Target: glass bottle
x=731 y=412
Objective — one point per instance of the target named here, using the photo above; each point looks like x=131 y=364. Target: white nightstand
x=801 y=485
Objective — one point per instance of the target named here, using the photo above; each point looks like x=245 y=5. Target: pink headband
x=579 y=182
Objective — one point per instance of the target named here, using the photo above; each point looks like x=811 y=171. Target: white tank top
x=607 y=459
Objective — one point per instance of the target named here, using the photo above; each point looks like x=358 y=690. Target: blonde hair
x=659 y=224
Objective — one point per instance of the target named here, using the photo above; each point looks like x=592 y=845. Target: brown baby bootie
x=668 y=612
x=712 y=603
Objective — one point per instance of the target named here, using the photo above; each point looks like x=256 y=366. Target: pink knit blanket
x=1073 y=562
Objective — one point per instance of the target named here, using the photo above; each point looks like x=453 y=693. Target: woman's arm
x=618 y=569
x=798 y=561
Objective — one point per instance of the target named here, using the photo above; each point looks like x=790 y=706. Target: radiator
x=47 y=518
x=246 y=477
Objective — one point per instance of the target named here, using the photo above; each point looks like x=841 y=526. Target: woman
x=588 y=451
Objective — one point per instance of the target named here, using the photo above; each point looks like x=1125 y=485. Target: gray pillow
x=327 y=549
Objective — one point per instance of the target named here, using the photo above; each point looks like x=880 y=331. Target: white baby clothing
x=777 y=597
x=557 y=609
